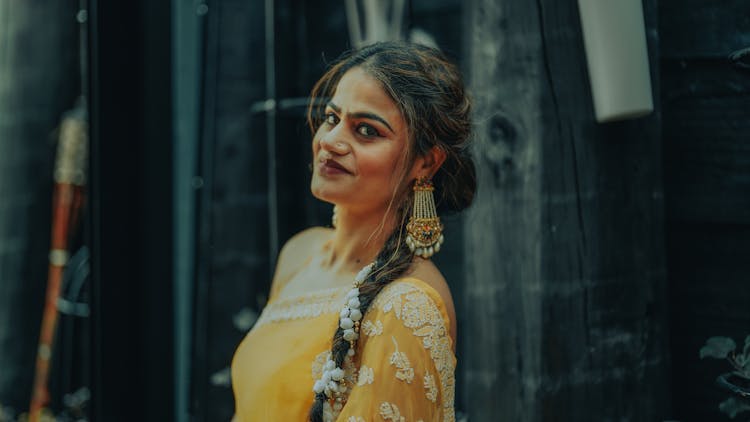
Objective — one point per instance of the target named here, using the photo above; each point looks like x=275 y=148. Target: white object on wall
x=371 y=21
x=616 y=52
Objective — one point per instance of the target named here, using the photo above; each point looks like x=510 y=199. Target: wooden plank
x=703 y=28
x=706 y=141
x=601 y=243
x=708 y=297
x=565 y=261
x=502 y=366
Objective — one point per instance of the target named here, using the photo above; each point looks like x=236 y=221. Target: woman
x=360 y=324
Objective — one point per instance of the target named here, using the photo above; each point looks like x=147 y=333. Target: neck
x=357 y=239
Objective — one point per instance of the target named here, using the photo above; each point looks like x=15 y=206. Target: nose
x=332 y=142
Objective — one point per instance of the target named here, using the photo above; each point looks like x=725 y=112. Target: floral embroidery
x=418 y=311
x=357 y=419
x=429 y=385
x=306 y=306
x=318 y=362
x=371 y=329
x=405 y=371
x=366 y=375
x=390 y=411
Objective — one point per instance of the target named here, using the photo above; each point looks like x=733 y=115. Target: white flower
x=354 y=303
x=332 y=377
x=363 y=273
x=352 y=293
x=337 y=374
x=346 y=323
x=344 y=312
x=319 y=386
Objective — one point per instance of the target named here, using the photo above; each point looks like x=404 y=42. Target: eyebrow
x=362 y=114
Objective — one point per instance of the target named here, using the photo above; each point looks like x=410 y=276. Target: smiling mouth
x=332 y=165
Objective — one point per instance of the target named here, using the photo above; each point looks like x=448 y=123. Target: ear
x=427 y=165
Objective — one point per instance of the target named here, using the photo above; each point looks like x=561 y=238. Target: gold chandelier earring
x=334 y=217
x=424 y=230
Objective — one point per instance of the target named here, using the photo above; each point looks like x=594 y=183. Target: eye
x=331 y=118
x=367 y=130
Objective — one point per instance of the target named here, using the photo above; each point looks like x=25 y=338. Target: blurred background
x=153 y=159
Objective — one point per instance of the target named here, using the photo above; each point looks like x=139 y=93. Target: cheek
x=384 y=167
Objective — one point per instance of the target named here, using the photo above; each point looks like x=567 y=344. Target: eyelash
x=332 y=120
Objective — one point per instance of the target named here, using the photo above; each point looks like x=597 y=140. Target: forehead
x=358 y=91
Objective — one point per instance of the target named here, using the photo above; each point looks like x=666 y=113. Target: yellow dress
x=404 y=356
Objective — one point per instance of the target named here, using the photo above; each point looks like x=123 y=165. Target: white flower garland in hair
x=331 y=382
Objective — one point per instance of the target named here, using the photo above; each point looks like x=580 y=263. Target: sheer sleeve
x=406 y=363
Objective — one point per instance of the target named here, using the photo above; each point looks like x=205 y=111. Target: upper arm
x=427 y=271
x=294 y=254
x=406 y=366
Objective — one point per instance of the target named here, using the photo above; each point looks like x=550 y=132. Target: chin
x=324 y=193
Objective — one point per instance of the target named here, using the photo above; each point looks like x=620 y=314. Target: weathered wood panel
x=707 y=141
x=38 y=82
x=706 y=108
x=703 y=28
x=502 y=363
x=709 y=296
x=565 y=254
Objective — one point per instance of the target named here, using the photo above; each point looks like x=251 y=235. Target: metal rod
x=273 y=228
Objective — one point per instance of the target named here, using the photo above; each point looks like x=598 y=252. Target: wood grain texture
x=503 y=363
x=565 y=252
x=708 y=297
x=703 y=28
x=706 y=133
x=707 y=141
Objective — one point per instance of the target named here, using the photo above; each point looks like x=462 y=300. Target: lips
x=332 y=165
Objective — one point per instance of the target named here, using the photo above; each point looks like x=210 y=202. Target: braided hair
x=429 y=93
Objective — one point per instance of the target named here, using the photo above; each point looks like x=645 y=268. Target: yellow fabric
x=404 y=355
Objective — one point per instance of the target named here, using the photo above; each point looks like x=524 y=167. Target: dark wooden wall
x=706 y=136
x=566 y=278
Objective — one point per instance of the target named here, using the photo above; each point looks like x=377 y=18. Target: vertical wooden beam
x=502 y=324
x=131 y=211
x=565 y=261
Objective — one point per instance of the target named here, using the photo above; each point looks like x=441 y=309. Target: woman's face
x=359 y=149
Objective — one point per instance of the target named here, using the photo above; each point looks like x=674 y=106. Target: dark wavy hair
x=430 y=95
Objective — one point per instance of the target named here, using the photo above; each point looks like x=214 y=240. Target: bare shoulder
x=295 y=252
x=426 y=271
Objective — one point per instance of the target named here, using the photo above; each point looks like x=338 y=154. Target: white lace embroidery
x=419 y=312
x=405 y=372
x=366 y=375
x=430 y=387
x=390 y=411
x=371 y=329
x=305 y=306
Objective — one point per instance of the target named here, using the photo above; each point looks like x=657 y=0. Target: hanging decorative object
x=615 y=42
